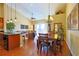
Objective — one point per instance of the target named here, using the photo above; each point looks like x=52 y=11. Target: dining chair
x=58 y=46
x=43 y=42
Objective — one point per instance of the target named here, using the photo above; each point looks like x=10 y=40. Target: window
x=41 y=28
x=24 y=26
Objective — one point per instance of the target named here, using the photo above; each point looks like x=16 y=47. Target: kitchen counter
x=7 y=33
x=15 y=39
x=11 y=41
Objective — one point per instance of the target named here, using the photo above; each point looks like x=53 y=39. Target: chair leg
x=40 y=49
x=61 y=48
x=47 y=51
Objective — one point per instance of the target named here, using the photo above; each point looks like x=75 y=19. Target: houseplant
x=10 y=26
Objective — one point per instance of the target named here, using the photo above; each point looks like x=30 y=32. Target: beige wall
x=20 y=19
x=69 y=7
x=60 y=18
x=74 y=39
x=40 y=21
x=72 y=36
x=1 y=10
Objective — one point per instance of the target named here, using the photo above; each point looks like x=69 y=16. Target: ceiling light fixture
x=51 y=18
x=11 y=13
x=7 y=13
x=49 y=22
x=32 y=14
x=15 y=11
x=32 y=17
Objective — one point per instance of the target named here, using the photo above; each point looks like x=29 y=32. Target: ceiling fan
x=32 y=17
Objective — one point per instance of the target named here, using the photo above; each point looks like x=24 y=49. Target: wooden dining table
x=55 y=44
x=49 y=39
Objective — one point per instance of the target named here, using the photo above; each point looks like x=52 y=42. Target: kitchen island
x=11 y=40
x=16 y=39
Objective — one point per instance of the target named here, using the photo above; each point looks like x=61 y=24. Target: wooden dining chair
x=43 y=42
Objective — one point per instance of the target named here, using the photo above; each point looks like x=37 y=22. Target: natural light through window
x=41 y=28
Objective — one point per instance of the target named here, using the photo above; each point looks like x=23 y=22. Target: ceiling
x=38 y=10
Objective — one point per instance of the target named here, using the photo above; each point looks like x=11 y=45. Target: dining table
x=49 y=39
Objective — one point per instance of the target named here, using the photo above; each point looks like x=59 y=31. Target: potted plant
x=10 y=26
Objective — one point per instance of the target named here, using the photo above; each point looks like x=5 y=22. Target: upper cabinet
x=1 y=16
x=1 y=10
x=1 y=23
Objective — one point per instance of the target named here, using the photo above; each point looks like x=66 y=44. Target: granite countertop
x=6 y=33
x=14 y=33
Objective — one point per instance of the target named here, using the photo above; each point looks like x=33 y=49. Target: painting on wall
x=69 y=22
x=74 y=18
x=73 y=21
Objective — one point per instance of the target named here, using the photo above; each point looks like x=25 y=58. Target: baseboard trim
x=70 y=49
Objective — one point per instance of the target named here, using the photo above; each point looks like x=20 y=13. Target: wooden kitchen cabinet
x=1 y=40
x=11 y=41
x=1 y=23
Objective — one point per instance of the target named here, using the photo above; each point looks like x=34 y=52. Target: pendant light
x=7 y=13
x=11 y=13
x=32 y=13
x=33 y=19
x=49 y=25
x=33 y=23
x=15 y=12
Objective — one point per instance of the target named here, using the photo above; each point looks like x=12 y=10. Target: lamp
x=51 y=18
x=15 y=11
x=11 y=13
x=7 y=13
x=56 y=36
x=32 y=17
x=49 y=26
x=9 y=20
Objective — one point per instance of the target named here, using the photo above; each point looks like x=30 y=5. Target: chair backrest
x=43 y=37
x=42 y=34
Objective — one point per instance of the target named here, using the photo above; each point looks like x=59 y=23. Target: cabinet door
x=1 y=23
x=1 y=40
x=10 y=42
x=16 y=41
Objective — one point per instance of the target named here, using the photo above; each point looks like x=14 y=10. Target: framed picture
x=69 y=22
x=74 y=21
x=24 y=26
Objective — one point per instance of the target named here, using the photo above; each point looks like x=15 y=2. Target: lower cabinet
x=11 y=41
